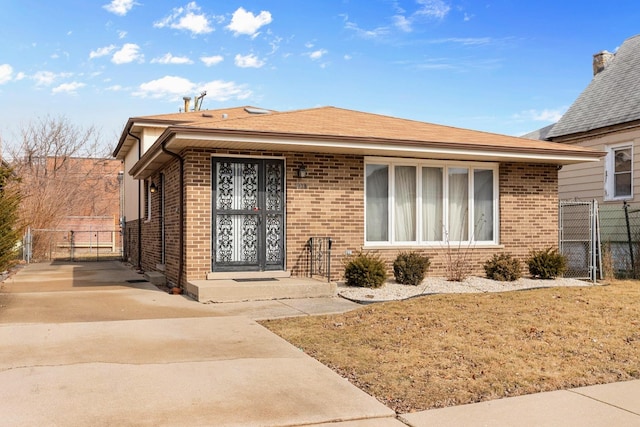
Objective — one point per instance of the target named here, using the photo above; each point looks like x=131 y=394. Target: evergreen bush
x=547 y=263
x=410 y=268
x=365 y=270
x=503 y=267
x=10 y=233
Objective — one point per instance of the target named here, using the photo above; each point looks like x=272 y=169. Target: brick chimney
x=601 y=60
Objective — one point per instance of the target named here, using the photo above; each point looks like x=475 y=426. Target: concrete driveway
x=89 y=344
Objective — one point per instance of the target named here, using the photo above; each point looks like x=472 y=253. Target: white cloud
x=115 y=88
x=466 y=41
x=220 y=90
x=347 y=57
x=437 y=9
x=244 y=22
x=173 y=88
x=427 y=9
x=546 y=115
x=6 y=73
x=366 y=34
x=211 y=60
x=402 y=23
x=20 y=76
x=187 y=18
x=315 y=55
x=119 y=7
x=122 y=34
x=128 y=53
x=248 y=61
x=102 y=51
x=69 y=88
x=47 y=78
x=170 y=59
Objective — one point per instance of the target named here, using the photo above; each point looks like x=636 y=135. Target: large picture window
x=422 y=204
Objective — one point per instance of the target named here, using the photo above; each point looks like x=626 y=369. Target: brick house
x=217 y=192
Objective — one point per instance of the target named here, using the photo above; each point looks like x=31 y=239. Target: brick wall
x=330 y=202
x=528 y=220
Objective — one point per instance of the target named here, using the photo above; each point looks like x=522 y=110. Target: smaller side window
x=619 y=172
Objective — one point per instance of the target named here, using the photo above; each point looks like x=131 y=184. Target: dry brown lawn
x=445 y=350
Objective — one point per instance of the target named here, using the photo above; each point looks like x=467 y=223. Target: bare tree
x=62 y=172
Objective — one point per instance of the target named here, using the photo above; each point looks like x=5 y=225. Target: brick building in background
x=72 y=206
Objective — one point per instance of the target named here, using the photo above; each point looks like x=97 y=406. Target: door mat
x=136 y=281
x=259 y=279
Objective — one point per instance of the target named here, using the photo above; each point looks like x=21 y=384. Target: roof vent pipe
x=187 y=101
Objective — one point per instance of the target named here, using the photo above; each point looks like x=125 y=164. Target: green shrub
x=547 y=263
x=10 y=231
x=365 y=270
x=410 y=268
x=503 y=267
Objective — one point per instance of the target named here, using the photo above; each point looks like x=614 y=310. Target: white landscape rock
x=392 y=290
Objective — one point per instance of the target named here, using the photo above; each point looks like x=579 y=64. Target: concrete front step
x=224 y=275
x=156 y=278
x=230 y=290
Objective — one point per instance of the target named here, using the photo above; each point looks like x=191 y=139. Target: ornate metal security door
x=248 y=214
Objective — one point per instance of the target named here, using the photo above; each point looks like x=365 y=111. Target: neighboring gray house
x=605 y=117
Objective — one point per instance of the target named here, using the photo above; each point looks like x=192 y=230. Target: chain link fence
x=600 y=240
x=620 y=239
x=578 y=238
x=72 y=245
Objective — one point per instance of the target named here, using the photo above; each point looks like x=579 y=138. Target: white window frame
x=609 y=171
x=445 y=166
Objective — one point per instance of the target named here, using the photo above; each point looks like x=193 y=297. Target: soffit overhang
x=176 y=140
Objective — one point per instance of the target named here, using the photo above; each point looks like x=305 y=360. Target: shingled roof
x=612 y=97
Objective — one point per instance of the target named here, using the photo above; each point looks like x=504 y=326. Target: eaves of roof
x=178 y=138
x=193 y=118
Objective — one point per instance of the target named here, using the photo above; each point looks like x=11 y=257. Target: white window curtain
x=483 y=204
x=432 y=204
x=405 y=203
x=458 y=204
x=377 y=202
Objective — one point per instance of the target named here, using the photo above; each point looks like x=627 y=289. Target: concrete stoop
x=156 y=278
x=258 y=288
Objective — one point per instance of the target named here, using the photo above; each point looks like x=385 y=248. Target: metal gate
x=579 y=238
x=72 y=245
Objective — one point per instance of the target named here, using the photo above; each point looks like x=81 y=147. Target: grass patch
x=444 y=350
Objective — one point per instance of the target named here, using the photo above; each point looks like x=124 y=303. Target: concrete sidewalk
x=89 y=344
x=616 y=404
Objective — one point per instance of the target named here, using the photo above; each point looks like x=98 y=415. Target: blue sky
x=496 y=65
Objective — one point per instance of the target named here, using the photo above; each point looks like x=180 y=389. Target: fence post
x=71 y=245
x=626 y=217
x=329 y=243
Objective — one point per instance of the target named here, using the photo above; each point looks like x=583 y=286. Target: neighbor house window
x=619 y=172
x=429 y=203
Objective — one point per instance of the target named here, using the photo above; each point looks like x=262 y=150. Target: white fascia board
x=372 y=148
